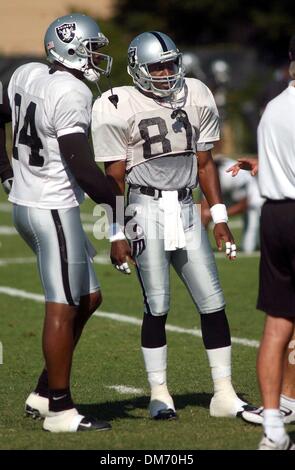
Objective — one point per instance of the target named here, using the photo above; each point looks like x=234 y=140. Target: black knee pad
x=153 y=334
x=215 y=330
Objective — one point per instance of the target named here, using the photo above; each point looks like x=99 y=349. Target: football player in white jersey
x=52 y=166
x=149 y=137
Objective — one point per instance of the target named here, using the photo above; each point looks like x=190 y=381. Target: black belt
x=279 y=201
x=148 y=191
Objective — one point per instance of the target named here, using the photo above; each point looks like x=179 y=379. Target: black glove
x=137 y=243
x=135 y=235
x=7 y=185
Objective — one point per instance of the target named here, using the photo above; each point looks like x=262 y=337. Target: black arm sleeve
x=76 y=151
x=5 y=110
x=5 y=116
x=5 y=167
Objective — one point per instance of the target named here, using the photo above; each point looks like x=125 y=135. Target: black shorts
x=276 y=294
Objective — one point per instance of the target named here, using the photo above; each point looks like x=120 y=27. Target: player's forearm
x=209 y=181
x=115 y=172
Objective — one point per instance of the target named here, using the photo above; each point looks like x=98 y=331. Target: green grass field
x=109 y=355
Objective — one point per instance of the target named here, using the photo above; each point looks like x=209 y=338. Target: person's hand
x=222 y=235
x=245 y=163
x=135 y=235
x=136 y=238
x=121 y=255
x=7 y=185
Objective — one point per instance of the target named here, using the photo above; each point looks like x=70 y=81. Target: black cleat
x=168 y=414
x=246 y=407
x=92 y=424
x=32 y=413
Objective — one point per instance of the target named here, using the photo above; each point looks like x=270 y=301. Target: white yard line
x=10 y=230
x=7 y=230
x=236 y=223
x=233 y=224
x=124 y=390
x=99 y=259
x=102 y=259
x=88 y=228
x=8 y=261
x=5 y=207
x=240 y=254
x=174 y=329
x=87 y=217
x=124 y=318
x=11 y=291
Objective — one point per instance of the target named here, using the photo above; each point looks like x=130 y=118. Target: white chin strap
x=91 y=75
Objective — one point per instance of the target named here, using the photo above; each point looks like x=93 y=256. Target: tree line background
x=252 y=36
x=249 y=37
x=265 y=25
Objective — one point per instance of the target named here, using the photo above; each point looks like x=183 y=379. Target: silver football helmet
x=74 y=41
x=155 y=48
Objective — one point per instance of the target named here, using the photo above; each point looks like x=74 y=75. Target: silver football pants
x=64 y=253
x=194 y=264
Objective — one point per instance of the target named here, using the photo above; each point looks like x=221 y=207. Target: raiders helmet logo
x=132 y=56
x=66 y=32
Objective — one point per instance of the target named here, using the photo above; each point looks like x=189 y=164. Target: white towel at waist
x=174 y=236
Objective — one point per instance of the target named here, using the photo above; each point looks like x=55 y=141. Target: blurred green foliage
x=119 y=41
x=261 y=26
x=265 y=25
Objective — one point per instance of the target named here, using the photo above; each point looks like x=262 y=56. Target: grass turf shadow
x=125 y=408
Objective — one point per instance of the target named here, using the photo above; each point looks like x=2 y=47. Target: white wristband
x=116 y=233
x=219 y=213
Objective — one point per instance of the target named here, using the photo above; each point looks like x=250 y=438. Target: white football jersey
x=142 y=128
x=45 y=106
x=276 y=147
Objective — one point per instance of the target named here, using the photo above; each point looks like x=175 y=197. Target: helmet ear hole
x=71 y=51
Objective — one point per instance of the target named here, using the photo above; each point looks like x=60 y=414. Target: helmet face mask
x=164 y=85
x=149 y=53
x=74 y=41
x=89 y=49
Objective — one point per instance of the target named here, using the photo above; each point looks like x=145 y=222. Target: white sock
x=288 y=402
x=71 y=411
x=155 y=360
x=273 y=425
x=220 y=364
